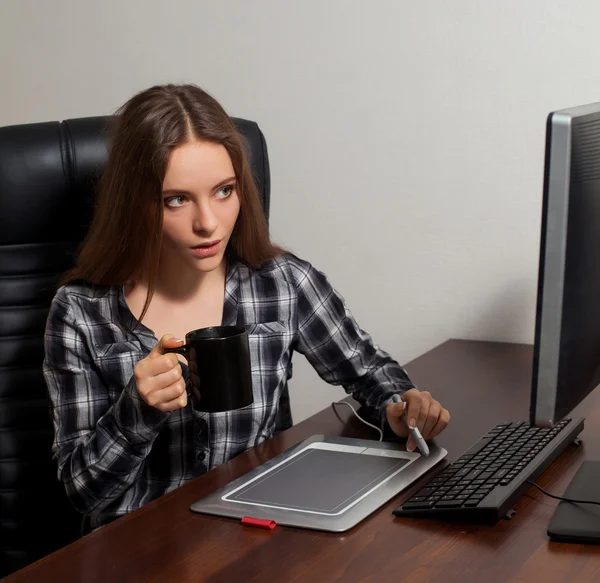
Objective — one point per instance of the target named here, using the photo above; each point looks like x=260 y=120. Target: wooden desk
x=481 y=383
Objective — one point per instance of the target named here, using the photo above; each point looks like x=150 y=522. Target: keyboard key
x=472 y=502
x=426 y=491
x=500 y=474
x=478 y=446
x=454 y=492
x=501 y=425
x=472 y=475
x=417 y=505
x=449 y=504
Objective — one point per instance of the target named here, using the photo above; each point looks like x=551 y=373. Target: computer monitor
x=566 y=365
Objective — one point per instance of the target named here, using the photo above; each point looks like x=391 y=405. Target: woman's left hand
x=421 y=411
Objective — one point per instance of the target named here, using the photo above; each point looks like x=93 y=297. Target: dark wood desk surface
x=481 y=383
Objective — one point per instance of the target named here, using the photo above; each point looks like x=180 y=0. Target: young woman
x=178 y=242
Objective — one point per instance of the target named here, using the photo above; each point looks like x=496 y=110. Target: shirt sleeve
x=340 y=352
x=100 y=446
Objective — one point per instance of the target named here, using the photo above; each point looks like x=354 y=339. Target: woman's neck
x=178 y=283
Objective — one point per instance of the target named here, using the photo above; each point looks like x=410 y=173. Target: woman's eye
x=175 y=201
x=225 y=191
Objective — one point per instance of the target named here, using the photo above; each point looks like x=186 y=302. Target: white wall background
x=406 y=138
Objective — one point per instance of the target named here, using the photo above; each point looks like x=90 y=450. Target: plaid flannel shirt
x=115 y=453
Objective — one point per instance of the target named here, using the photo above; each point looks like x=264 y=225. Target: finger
x=426 y=402
x=167 y=341
x=410 y=443
x=174 y=404
x=165 y=379
x=160 y=364
x=413 y=407
x=433 y=416
x=423 y=414
x=417 y=410
x=173 y=392
x=442 y=423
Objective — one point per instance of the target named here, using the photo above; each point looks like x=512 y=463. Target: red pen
x=259 y=522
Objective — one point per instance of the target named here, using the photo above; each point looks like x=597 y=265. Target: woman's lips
x=207 y=249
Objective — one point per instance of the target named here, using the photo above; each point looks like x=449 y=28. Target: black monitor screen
x=567 y=344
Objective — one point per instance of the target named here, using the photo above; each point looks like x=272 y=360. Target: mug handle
x=183 y=350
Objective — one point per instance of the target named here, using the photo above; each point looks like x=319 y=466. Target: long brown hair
x=125 y=235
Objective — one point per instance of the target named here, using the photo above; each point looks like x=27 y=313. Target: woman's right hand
x=158 y=377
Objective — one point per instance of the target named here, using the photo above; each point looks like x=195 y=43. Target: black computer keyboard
x=483 y=483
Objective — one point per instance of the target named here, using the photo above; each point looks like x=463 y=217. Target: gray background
x=406 y=138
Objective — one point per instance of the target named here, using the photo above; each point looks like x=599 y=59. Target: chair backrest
x=48 y=173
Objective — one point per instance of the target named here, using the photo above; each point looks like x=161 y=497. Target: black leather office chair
x=48 y=172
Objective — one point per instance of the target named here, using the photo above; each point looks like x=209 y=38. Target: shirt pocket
x=270 y=355
x=116 y=361
x=267 y=328
x=116 y=350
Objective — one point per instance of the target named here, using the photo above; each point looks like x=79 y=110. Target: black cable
x=562 y=497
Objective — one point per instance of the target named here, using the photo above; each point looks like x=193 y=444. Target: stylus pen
x=414 y=431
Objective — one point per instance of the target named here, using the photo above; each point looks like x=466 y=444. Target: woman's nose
x=205 y=220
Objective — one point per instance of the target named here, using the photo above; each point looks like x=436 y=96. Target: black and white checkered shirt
x=115 y=453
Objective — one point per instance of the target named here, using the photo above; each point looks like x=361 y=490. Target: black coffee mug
x=219 y=365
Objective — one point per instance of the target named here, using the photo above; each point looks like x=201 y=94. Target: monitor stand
x=579 y=523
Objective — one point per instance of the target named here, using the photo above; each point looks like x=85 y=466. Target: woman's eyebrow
x=224 y=182
x=175 y=191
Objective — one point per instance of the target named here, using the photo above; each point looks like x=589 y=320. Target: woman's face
x=201 y=205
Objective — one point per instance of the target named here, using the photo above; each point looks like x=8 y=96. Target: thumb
x=167 y=341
